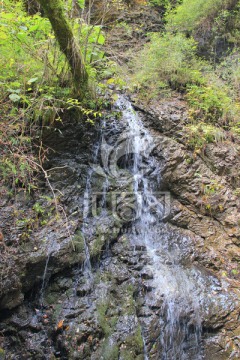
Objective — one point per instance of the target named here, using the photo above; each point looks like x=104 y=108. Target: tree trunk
x=53 y=9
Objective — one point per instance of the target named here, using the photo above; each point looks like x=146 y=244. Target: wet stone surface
x=105 y=290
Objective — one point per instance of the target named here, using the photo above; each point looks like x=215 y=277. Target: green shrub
x=200 y=134
x=168 y=60
x=236 y=129
x=229 y=71
x=191 y=13
x=214 y=23
x=29 y=49
x=211 y=104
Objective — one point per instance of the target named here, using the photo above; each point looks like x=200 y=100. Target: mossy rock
x=97 y=245
x=51 y=298
x=78 y=242
x=133 y=347
x=2 y=354
x=109 y=351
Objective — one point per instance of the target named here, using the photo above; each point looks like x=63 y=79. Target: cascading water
x=162 y=294
x=141 y=296
x=171 y=283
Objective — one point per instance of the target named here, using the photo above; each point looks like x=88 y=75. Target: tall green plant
x=168 y=60
x=212 y=104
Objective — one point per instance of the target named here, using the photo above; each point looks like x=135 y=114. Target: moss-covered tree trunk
x=53 y=9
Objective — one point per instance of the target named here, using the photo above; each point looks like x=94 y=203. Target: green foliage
x=37 y=207
x=18 y=167
x=89 y=114
x=102 y=309
x=35 y=88
x=229 y=71
x=109 y=351
x=211 y=104
x=201 y=134
x=188 y=15
x=42 y=213
x=236 y=129
x=168 y=60
x=24 y=38
x=171 y=60
x=214 y=21
x=212 y=188
x=81 y=3
x=92 y=38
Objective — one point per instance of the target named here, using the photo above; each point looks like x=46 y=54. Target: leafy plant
x=214 y=23
x=211 y=104
x=18 y=166
x=200 y=134
x=168 y=60
x=188 y=15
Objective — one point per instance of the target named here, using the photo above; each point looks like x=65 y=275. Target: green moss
x=127 y=354
x=102 y=317
x=78 y=242
x=103 y=235
x=128 y=304
x=105 y=276
x=57 y=311
x=136 y=341
x=51 y=298
x=97 y=245
x=138 y=338
x=133 y=346
x=109 y=352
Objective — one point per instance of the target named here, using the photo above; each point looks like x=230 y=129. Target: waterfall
x=171 y=283
x=138 y=287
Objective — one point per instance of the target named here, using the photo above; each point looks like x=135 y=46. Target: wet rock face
x=56 y=307
x=43 y=229
x=103 y=316
x=214 y=217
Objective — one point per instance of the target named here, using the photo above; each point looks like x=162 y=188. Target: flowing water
x=172 y=283
x=125 y=184
x=136 y=289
